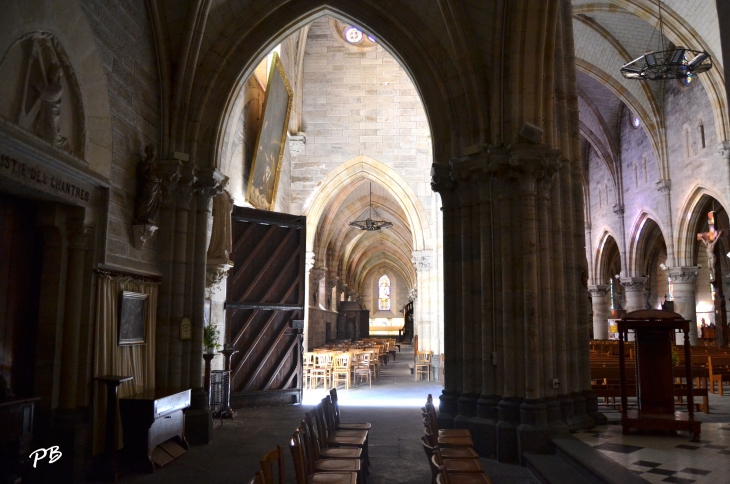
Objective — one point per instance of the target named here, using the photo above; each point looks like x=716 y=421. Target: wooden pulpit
x=654 y=333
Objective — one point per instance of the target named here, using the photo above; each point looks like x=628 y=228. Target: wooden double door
x=265 y=306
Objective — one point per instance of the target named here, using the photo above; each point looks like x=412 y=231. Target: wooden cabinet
x=152 y=418
x=16 y=427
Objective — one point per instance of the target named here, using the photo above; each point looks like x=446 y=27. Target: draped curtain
x=137 y=361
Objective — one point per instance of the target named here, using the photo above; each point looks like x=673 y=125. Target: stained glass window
x=384 y=293
x=635 y=121
x=353 y=35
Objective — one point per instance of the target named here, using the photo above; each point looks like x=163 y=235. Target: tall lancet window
x=384 y=293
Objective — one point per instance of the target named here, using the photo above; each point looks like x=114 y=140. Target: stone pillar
x=724 y=147
x=198 y=422
x=684 y=280
x=634 y=289
x=442 y=183
x=665 y=187
x=601 y=310
x=78 y=244
x=428 y=336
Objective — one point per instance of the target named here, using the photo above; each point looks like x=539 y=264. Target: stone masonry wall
x=125 y=42
x=358 y=103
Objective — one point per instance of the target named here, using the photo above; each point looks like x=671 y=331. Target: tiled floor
x=667 y=458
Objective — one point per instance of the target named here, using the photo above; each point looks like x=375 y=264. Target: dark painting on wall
x=132 y=307
x=266 y=166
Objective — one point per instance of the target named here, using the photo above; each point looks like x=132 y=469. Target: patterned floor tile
x=613 y=447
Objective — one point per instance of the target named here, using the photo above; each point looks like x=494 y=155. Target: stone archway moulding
x=689 y=216
x=598 y=271
x=637 y=232
x=363 y=167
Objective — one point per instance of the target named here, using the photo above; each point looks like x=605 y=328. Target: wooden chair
x=338 y=425
x=303 y=477
x=341 y=370
x=321 y=370
x=467 y=466
x=310 y=420
x=308 y=359
x=446 y=477
x=449 y=452
x=362 y=367
x=314 y=463
x=340 y=438
x=719 y=370
x=276 y=456
x=435 y=440
x=423 y=364
x=258 y=478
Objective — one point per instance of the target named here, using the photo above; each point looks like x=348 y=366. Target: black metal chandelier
x=370 y=224
x=676 y=63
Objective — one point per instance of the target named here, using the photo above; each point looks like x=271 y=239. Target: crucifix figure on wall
x=710 y=239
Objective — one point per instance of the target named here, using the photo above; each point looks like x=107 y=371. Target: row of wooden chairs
x=345 y=367
x=324 y=450
x=450 y=452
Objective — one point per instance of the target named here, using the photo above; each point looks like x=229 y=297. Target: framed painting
x=263 y=180
x=132 y=306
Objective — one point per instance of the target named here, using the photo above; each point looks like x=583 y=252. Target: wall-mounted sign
x=186 y=329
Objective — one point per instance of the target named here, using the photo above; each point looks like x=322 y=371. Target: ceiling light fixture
x=369 y=224
x=676 y=63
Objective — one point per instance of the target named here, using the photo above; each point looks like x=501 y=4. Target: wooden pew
x=719 y=371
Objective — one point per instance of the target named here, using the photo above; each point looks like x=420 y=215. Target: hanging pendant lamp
x=370 y=224
x=677 y=63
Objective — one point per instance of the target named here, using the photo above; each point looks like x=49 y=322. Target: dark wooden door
x=265 y=294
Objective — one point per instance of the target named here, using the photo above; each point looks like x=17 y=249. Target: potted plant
x=210 y=338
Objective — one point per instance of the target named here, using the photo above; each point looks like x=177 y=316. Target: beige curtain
x=137 y=361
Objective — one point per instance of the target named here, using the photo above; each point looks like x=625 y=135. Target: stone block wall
x=125 y=43
x=358 y=102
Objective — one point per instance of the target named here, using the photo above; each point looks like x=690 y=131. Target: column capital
x=683 y=275
x=316 y=274
x=724 y=149
x=331 y=282
x=79 y=235
x=588 y=226
x=633 y=283
x=619 y=210
x=309 y=259
x=599 y=290
x=209 y=183
x=422 y=260
x=297 y=142
x=664 y=186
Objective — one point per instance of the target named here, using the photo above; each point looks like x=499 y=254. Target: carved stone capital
x=308 y=261
x=633 y=283
x=170 y=172
x=664 y=186
x=441 y=180
x=683 y=275
x=79 y=235
x=317 y=274
x=413 y=294
x=724 y=149
x=184 y=190
x=599 y=290
x=533 y=165
x=214 y=275
x=619 y=210
x=141 y=234
x=297 y=144
x=422 y=260
x=209 y=183
x=331 y=282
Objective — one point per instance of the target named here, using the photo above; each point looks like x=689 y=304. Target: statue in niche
x=221 y=244
x=51 y=95
x=149 y=189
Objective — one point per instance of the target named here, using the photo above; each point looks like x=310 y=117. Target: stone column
x=601 y=310
x=684 y=280
x=428 y=336
x=79 y=236
x=634 y=288
x=665 y=187
x=308 y=265
x=442 y=183
x=619 y=210
x=724 y=147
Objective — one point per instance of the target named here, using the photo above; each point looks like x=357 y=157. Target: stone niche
x=41 y=92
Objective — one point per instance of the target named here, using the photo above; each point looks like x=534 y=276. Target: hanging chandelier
x=676 y=63
x=370 y=224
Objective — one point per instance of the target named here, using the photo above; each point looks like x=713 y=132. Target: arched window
x=384 y=293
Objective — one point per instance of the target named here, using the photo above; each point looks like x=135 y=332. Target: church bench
x=612 y=390
x=719 y=371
